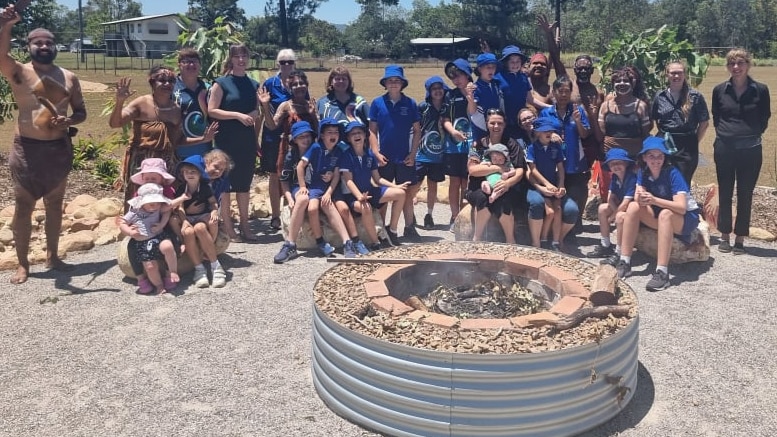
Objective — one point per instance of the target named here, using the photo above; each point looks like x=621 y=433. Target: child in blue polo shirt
x=662 y=202
x=395 y=120
x=302 y=181
x=621 y=193
x=546 y=173
x=358 y=171
x=487 y=93
x=428 y=161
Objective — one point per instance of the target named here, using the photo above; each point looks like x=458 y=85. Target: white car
x=349 y=58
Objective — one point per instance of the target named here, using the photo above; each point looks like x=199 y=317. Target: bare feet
x=21 y=275
x=57 y=264
x=183 y=248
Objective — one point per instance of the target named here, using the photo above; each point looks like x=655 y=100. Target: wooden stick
x=580 y=315
x=400 y=261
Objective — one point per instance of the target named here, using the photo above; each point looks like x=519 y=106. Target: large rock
x=697 y=251
x=184 y=264
x=79 y=202
x=464 y=227
x=76 y=242
x=305 y=240
x=107 y=207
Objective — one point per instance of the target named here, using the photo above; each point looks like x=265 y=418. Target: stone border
x=573 y=294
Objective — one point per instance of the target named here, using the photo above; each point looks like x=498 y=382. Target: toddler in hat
x=546 y=166
x=150 y=242
x=499 y=157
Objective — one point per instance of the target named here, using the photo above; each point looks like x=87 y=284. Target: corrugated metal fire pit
x=469 y=377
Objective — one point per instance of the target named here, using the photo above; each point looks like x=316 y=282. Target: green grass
x=366 y=78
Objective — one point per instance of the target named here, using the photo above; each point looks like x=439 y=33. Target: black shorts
x=268 y=163
x=148 y=250
x=398 y=173
x=434 y=170
x=455 y=164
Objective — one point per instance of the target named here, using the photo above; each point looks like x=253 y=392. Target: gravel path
x=84 y=355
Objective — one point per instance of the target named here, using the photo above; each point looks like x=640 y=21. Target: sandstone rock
x=8 y=211
x=591 y=211
x=262 y=188
x=184 y=264
x=305 y=240
x=85 y=224
x=8 y=261
x=39 y=204
x=2 y=247
x=79 y=202
x=79 y=241
x=761 y=234
x=6 y=236
x=66 y=223
x=38 y=216
x=85 y=212
x=697 y=251
x=37 y=256
x=107 y=232
x=107 y=207
x=464 y=227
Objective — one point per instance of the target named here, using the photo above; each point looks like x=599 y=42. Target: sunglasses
x=286 y=62
x=165 y=80
x=495 y=111
x=188 y=61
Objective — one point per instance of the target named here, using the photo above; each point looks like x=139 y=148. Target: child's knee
x=150 y=267
x=166 y=247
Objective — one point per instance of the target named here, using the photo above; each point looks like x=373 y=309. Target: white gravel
x=103 y=360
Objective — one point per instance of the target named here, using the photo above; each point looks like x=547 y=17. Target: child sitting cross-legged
x=150 y=241
x=305 y=181
x=200 y=224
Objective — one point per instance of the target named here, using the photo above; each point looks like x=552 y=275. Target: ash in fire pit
x=496 y=298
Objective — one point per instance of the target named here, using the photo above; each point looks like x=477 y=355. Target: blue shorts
x=376 y=193
x=455 y=164
x=434 y=170
x=398 y=173
x=313 y=193
x=690 y=222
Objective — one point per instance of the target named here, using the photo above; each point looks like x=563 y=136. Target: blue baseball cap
x=461 y=65
x=434 y=80
x=513 y=50
x=300 y=128
x=196 y=161
x=356 y=124
x=616 y=155
x=394 y=71
x=653 y=143
x=328 y=121
x=547 y=124
x=485 y=59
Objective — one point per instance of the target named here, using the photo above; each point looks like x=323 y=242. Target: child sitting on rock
x=200 y=225
x=303 y=190
x=499 y=157
x=150 y=240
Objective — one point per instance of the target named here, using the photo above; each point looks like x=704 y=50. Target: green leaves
x=212 y=44
x=650 y=52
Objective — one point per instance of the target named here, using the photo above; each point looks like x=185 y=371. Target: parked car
x=349 y=58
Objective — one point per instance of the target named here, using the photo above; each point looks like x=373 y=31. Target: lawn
x=366 y=78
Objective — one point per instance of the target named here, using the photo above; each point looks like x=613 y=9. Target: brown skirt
x=40 y=166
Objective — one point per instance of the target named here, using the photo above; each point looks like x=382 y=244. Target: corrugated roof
x=455 y=40
x=145 y=18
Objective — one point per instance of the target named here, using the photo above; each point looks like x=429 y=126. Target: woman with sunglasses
x=156 y=125
x=509 y=192
x=190 y=92
x=271 y=138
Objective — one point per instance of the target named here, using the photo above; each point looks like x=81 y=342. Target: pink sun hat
x=152 y=165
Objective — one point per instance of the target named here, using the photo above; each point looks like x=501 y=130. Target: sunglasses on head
x=288 y=62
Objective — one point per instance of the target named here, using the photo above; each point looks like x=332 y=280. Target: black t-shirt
x=200 y=197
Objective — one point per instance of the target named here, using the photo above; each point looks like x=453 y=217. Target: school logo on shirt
x=462 y=125
x=194 y=124
x=432 y=143
x=404 y=111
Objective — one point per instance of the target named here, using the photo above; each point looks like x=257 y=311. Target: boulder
x=76 y=242
x=107 y=207
x=697 y=251
x=8 y=212
x=85 y=224
x=305 y=240
x=79 y=202
x=184 y=264
x=8 y=260
x=761 y=234
x=6 y=236
x=107 y=232
x=464 y=229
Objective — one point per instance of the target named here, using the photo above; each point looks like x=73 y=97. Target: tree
x=208 y=10
x=380 y=31
x=211 y=43
x=320 y=37
x=427 y=21
x=101 y=11
x=289 y=15
x=498 y=22
x=38 y=14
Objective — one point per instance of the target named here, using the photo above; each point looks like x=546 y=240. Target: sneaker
x=275 y=223
x=555 y=246
x=545 y=245
x=349 y=250
x=411 y=233
x=611 y=260
x=219 y=277
x=361 y=248
x=659 y=281
x=376 y=246
x=739 y=249
x=393 y=237
x=201 y=278
x=384 y=243
x=623 y=268
x=428 y=222
x=325 y=248
x=724 y=247
x=287 y=252
x=600 y=252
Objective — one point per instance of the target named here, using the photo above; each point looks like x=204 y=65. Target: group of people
x=509 y=141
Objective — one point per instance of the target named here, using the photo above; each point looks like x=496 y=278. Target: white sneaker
x=201 y=278
x=219 y=277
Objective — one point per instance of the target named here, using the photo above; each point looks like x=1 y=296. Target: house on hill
x=152 y=36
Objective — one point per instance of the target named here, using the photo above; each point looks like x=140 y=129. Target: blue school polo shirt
x=625 y=189
x=488 y=95
x=320 y=161
x=395 y=125
x=515 y=86
x=669 y=182
x=575 y=161
x=545 y=159
x=278 y=95
x=360 y=167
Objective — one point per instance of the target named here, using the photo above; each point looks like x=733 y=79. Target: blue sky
x=334 y=11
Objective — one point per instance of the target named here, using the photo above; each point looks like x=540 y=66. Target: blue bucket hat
x=485 y=59
x=513 y=50
x=547 y=124
x=300 y=128
x=653 y=143
x=355 y=125
x=328 y=121
x=196 y=161
x=394 y=71
x=434 y=80
x=461 y=65
x=616 y=155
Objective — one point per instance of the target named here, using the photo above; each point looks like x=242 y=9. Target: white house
x=152 y=36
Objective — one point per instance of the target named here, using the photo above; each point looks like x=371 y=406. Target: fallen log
x=600 y=312
x=603 y=286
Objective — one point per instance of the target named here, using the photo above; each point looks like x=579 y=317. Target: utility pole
x=284 y=26
x=558 y=23
x=81 y=32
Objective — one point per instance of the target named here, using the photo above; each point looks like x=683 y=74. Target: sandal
x=275 y=223
x=145 y=286
x=169 y=283
x=219 y=277
x=248 y=236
